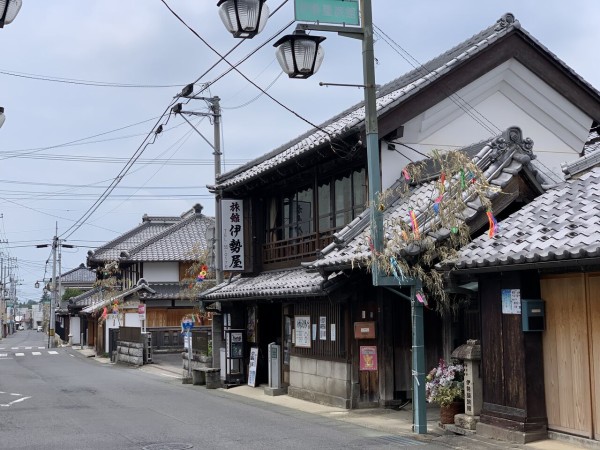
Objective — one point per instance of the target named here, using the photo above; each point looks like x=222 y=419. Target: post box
x=533 y=315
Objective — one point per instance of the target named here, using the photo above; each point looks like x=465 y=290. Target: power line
x=54 y=79
x=453 y=96
x=242 y=74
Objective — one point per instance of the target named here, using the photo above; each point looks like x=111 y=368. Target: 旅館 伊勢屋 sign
x=232 y=232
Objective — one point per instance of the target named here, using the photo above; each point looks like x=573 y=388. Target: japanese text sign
x=232 y=213
x=327 y=11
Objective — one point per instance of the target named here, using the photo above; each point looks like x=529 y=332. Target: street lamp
x=243 y=18
x=300 y=55
x=9 y=10
x=2 y=116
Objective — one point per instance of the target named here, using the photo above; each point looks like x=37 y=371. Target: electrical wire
x=54 y=79
x=242 y=74
x=490 y=127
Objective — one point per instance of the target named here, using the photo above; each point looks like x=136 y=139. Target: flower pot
x=447 y=413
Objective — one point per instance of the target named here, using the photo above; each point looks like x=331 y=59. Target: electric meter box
x=533 y=314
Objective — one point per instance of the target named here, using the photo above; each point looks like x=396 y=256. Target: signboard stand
x=234 y=356
x=252 y=366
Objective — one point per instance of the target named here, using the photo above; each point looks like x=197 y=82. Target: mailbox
x=364 y=330
x=533 y=315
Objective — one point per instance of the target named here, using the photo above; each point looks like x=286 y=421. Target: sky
x=122 y=62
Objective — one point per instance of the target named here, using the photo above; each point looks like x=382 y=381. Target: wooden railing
x=296 y=249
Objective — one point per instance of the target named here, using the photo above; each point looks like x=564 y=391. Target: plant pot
x=447 y=413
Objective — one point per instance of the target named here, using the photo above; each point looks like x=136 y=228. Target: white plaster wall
x=75 y=327
x=132 y=319
x=509 y=95
x=161 y=271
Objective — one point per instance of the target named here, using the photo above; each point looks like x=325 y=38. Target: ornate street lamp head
x=9 y=10
x=300 y=55
x=243 y=18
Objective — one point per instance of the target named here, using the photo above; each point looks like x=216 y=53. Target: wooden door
x=567 y=375
x=594 y=324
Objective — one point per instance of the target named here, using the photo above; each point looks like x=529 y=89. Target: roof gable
x=406 y=88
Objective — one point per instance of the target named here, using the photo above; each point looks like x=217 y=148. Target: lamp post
x=9 y=10
x=300 y=56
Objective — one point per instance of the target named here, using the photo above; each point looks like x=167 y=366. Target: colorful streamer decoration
x=421 y=298
x=397 y=270
x=406 y=174
x=415 y=225
x=104 y=313
x=436 y=204
x=442 y=183
x=202 y=275
x=493 y=224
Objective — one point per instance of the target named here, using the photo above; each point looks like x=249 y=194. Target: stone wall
x=318 y=381
x=198 y=361
x=130 y=353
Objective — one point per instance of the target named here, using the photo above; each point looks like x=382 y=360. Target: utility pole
x=215 y=113
x=53 y=297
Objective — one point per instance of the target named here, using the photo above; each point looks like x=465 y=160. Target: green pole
x=418 y=363
x=372 y=135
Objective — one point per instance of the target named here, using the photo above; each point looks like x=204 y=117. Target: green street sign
x=327 y=11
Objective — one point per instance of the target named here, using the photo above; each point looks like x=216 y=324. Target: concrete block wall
x=130 y=353
x=319 y=381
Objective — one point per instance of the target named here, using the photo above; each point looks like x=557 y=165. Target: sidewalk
x=387 y=421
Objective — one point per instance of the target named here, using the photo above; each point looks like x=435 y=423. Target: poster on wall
x=511 y=301
x=251 y=325
x=333 y=332
x=302 y=327
x=368 y=357
x=232 y=233
x=323 y=328
x=252 y=366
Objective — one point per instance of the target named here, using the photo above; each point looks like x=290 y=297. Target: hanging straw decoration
x=493 y=224
x=463 y=182
x=415 y=225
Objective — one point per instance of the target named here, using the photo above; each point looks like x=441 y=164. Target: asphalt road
x=58 y=399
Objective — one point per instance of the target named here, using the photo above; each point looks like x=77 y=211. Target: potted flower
x=445 y=387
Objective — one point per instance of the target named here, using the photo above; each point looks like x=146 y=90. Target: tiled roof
x=183 y=241
x=500 y=160
x=560 y=226
x=592 y=144
x=86 y=299
x=146 y=230
x=274 y=284
x=389 y=96
x=80 y=274
x=103 y=302
x=163 y=291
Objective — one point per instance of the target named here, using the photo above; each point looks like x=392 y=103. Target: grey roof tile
x=184 y=241
x=273 y=284
x=354 y=249
x=80 y=274
x=573 y=232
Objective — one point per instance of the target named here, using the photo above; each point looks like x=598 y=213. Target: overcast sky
x=63 y=143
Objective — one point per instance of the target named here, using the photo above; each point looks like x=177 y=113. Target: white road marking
x=3 y=355
x=52 y=352
x=72 y=356
x=27 y=348
x=36 y=353
x=19 y=354
x=41 y=348
x=14 y=401
x=14 y=348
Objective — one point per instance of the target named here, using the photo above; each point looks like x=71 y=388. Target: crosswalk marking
x=41 y=348
x=19 y=354
x=36 y=353
x=27 y=348
x=53 y=352
x=3 y=355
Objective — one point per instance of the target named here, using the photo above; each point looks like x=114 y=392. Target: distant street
x=58 y=399
x=61 y=400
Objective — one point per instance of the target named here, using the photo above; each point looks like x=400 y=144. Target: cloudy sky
x=116 y=66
